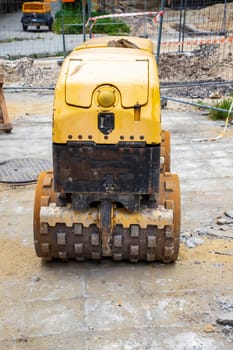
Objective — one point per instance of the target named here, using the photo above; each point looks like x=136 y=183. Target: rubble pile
x=220 y=228
x=25 y=72
x=199 y=65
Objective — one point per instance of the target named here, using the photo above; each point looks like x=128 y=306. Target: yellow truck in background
x=36 y=14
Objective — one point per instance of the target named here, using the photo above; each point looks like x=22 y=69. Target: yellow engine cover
x=100 y=79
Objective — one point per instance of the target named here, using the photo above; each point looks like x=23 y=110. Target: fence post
x=160 y=31
x=84 y=19
x=63 y=30
x=224 y=20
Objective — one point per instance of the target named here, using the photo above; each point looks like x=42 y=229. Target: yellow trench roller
x=110 y=193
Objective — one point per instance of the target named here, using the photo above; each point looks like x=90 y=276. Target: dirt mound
x=199 y=65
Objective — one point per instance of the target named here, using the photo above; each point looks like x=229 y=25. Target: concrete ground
x=90 y=306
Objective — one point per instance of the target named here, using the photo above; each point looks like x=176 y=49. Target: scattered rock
x=206 y=50
x=229 y=213
x=230 y=339
x=194 y=242
x=223 y=227
x=215 y=95
x=226 y=305
x=36 y=278
x=197 y=262
x=209 y=328
x=218 y=265
x=191 y=239
x=22 y=339
x=224 y=221
x=227 y=330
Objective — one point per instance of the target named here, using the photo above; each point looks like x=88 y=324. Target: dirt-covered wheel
x=44 y=195
x=135 y=242
x=170 y=199
x=165 y=151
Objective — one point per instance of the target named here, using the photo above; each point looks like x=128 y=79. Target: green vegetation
x=224 y=104
x=110 y=26
x=70 y=16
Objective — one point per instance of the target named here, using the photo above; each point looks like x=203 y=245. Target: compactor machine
x=110 y=193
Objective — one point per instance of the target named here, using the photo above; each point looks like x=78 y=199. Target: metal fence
x=184 y=27
x=187 y=28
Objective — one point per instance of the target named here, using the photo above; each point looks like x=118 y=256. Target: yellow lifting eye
x=106 y=98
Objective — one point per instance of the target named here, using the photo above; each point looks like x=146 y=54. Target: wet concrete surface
x=118 y=306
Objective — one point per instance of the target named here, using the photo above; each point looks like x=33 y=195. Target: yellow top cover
x=104 y=68
x=97 y=70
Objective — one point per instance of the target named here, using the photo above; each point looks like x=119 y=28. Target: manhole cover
x=22 y=170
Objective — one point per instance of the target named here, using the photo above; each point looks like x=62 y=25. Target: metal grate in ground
x=22 y=170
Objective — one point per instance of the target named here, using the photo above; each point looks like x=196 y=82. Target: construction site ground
x=125 y=306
